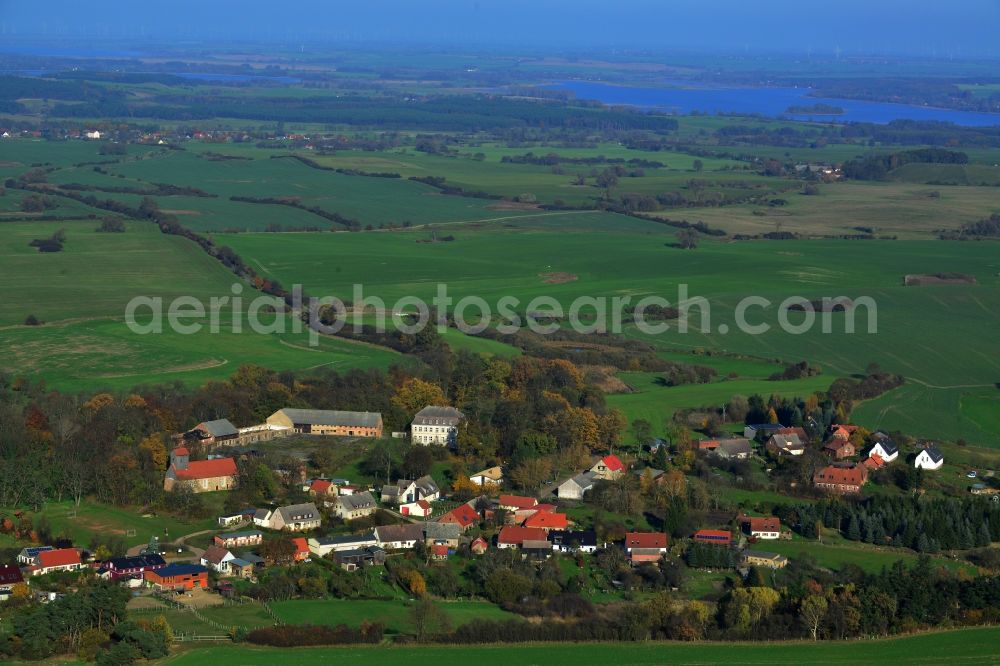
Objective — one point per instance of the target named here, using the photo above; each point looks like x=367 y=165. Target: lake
x=770 y=102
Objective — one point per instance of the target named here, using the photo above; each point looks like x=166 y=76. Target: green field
x=835 y=553
x=395 y=614
x=936 y=336
x=966 y=646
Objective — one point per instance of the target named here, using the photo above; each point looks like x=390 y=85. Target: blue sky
x=928 y=27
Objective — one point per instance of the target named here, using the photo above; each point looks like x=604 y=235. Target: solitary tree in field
x=697 y=165
x=687 y=239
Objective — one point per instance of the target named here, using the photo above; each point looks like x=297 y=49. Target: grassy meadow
x=966 y=646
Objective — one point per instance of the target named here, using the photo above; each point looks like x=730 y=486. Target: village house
x=780 y=444
x=418 y=509
x=608 y=468
x=464 y=516
x=645 y=546
x=405 y=491
x=842 y=431
x=929 y=458
x=323 y=546
x=296 y=518
x=131 y=567
x=399 y=537
x=200 y=475
x=239 y=539
x=302 y=551
x=536 y=549
x=766 y=527
x=352 y=559
x=845 y=479
x=27 y=555
x=479 y=546
x=262 y=517
x=212 y=433
x=246 y=515
x=442 y=533
x=486 y=477
x=241 y=568
x=516 y=502
x=322 y=489
x=178 y=577
x=327 y=422
x=11 y=582
x=352 y=507
x=733 y=449
x=512 y=536
x=760 y=558
x=436 y=425
x=873 y=462
x=547 y=520
x=980 y=488
x=576 y=487
x=838 y=449
x=439 y=552
x=884 y=447
x=718 y=537
x=565 y=541
x=59 y=559
x=217 y=559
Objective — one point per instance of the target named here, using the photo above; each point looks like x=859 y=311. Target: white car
x=971 y=474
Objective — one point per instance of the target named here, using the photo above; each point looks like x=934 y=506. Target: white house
x=323 y=546
x=93 y=135
x=262 y=517
x=929 y=458
x=884 y=448
x=418 y=509
x=575 y=487
x=217 y=559
x=358 y=505
x=436 y=425
x=493 y=475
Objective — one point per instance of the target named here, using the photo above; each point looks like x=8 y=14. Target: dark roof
x=345 y=538
x=10 y=575
x=333 y=417
x=567 y=537
x=219 y=428
x=405 y=532
x=180 y=570
x=438 y=416
x=136 y=562
x=357 y=501
x=934 y=452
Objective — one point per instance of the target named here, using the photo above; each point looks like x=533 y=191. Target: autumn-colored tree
x=135 y=401
x=530 y=474
x=416 y=584
x=674 y=484
x=156 y=447
x=610 y=427
x=99 y=402
x=812 y=612
x=772 y=416
x=415 y=394
x=278 y=551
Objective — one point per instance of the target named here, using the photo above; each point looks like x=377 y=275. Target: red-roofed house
x=721 y=537
x=656 y=540
x=609 y=468
x=517 y=502
x=708 y=444
x=464 y=516
x=418 y=509
x=479 y=546
x=322 y=488
x=61 y=559
x=301 y=549
x=548 y=520
x=767 y=527
x=838 y=448
x=842 y=431
x=841 y=479
x=439 y=551
x=11 y=582
x=645 y=546
x=200 y=475
x=512 y=536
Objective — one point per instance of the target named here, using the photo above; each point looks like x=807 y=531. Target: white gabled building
x=884 y=448
x=436 y=425
x=929 y=458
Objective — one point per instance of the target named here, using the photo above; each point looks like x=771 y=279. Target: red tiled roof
x=547 y=520
x=58 y=558
x=181 y=451
x=514 y=535
x=613 y=463
x=545 y=507
x=424 y=504
x=464 y=515
x=873 y=461
x=714 y=535
x=518 y=501
x=207 y=469
x=301 y=545
x=765 y=524
x=321 y=486
x=708 y=444
x=855 y=475
x=645 y=540
x=439 y=550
